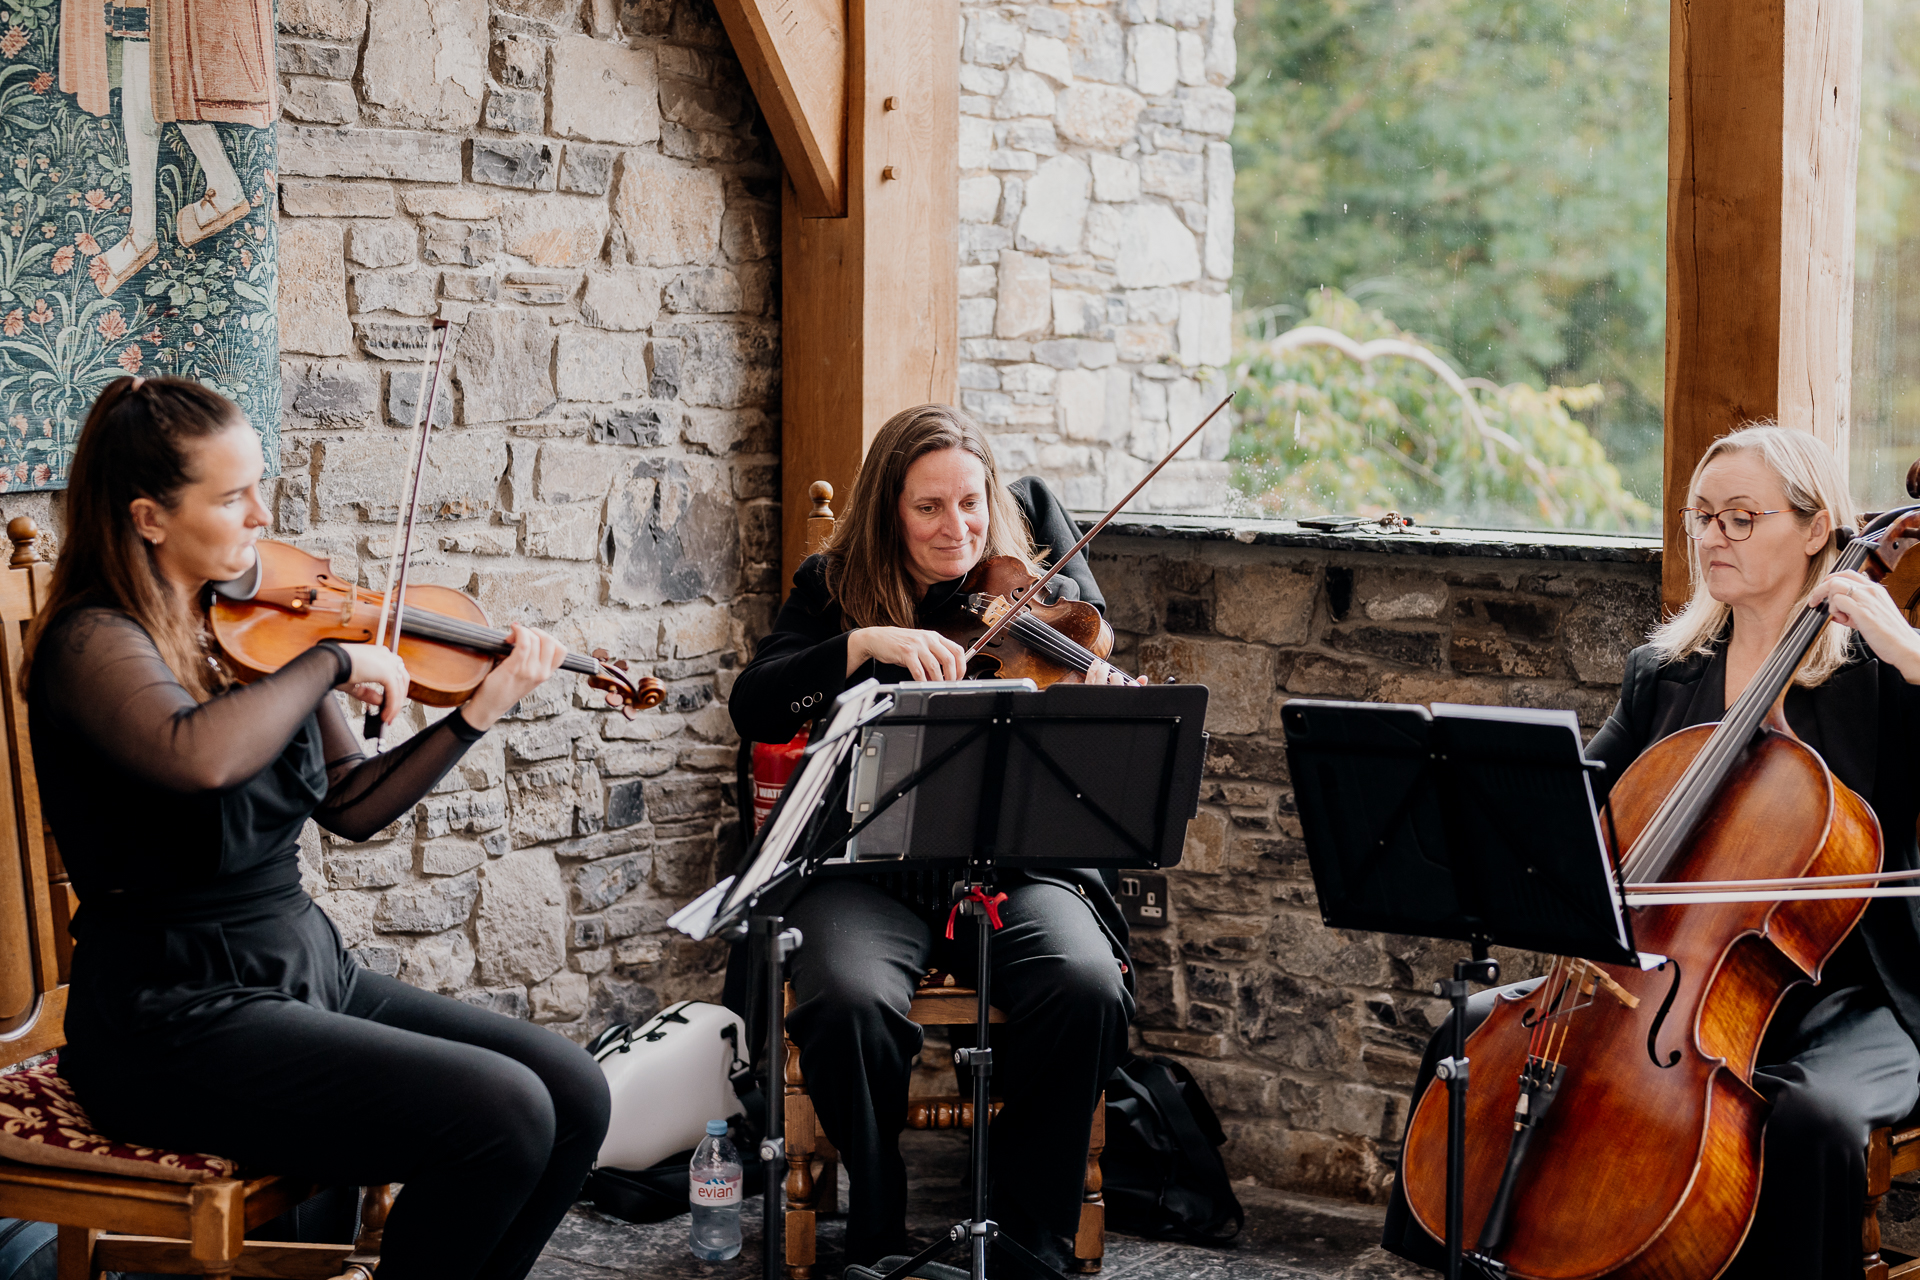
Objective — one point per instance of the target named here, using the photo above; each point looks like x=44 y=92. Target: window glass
x=1472 y=195
x=1884 y=422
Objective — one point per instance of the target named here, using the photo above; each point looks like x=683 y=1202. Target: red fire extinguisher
x=773 y=765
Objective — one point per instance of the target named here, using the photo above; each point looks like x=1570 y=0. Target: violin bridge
x=1592 y=977
x=346 y=609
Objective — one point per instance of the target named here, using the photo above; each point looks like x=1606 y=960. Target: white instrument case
x=669 y=1076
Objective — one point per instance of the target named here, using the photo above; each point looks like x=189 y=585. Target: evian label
x=715 y=1192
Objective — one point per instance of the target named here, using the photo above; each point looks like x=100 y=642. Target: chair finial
x=23 y=533
x=822 y=493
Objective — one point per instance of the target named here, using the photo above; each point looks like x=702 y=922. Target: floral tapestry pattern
x=136 y=236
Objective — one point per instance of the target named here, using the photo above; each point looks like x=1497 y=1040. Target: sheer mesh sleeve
x=103 y=673
x=365 y=793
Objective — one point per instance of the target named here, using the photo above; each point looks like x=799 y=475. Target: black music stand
x=1470 y=823
x=984 y=777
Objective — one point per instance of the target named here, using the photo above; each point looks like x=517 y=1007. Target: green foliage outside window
x=1490 y=176
x=1323 y=432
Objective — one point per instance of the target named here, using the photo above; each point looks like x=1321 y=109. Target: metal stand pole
x=775 y=945
x=1455 y=1070
x=980 y=1060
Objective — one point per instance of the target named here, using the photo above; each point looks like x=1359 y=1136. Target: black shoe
x=863 y=1249
x=1050 y=1249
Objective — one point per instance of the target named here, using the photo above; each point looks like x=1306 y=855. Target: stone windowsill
x=1504 y=544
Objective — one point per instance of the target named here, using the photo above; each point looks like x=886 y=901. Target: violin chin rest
x=244 y=587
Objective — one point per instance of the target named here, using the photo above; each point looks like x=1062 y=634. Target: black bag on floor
x=28 y=1249
x=660 y=1192
x=1161 y=1171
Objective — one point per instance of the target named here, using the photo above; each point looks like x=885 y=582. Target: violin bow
x=1059 y=562
x=401 y=557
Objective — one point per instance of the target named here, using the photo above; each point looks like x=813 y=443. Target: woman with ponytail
x=212 y=1006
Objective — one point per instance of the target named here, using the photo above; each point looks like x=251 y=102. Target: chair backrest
x=36 y=900
x=820 y=518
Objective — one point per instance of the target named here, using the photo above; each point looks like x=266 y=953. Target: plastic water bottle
x=714 y=1188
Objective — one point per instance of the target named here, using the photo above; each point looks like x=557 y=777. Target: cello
x=1615 y=1130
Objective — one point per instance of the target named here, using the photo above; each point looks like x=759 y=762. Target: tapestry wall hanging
x=137 y=152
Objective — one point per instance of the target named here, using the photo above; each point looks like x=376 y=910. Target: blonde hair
x=1810 y=474
x=866 y=568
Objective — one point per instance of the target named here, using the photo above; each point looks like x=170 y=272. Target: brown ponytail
x=136 y=444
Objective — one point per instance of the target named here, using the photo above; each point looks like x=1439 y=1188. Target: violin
x=292 y=601
x=1045 y=643
x=1613 y=1125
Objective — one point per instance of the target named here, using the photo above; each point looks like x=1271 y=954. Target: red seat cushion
x=41 y=1123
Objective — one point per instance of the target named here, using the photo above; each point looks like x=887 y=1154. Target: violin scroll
x=628 y=693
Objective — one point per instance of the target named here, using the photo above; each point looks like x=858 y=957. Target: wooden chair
x=110 y=1222
x=939 y=1002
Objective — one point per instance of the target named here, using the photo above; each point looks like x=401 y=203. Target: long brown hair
x=866 y=571
x=136 y=443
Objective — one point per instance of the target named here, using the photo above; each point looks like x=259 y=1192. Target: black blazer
x=801 y=666
x=1865 y=723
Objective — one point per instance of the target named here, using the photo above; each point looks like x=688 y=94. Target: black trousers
x=1835 y=1068
x=1067 y=1008
x=491 y=1123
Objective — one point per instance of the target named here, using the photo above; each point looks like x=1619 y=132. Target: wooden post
x=870 y=301
x=1762 y=138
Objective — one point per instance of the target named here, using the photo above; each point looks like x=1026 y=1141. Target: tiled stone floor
x=1287 y=1237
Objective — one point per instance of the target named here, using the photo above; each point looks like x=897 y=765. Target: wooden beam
x=870 y=302
x=1762 y=138
x=795 y=56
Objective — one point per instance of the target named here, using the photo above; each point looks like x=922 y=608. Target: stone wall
x=587 y=188
x=1096 y=245
x=1306 y=1039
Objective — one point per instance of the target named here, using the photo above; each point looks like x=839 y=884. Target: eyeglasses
x=1734 y=522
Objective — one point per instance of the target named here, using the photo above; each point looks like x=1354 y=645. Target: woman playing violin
x=927 y=507
x=212 y=1006
x=1839 y=1058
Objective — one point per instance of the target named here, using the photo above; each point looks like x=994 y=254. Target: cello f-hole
x=1660 y=1018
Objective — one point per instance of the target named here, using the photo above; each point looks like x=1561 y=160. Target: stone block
x=313 y=290
x=1026 y=94
x=711 y=108
x=1413 y=648
x=313 y=152
x=709 y=290
x=717 y=364
x=341 y=20
x=553 y=231
x=1055 y=217
x=425 y=65
x=1098 y=115
x=317 y=393
x=328 y=61
x=1205 y=331
x=565 y=533
x=1177 y=175
x=1268 y=604
x=669 y=213
x=1505 y=637
x=513 y=162
x=1024 y=295
x=319 y=101
x=991 y=40
x=1317 y=675
x=466 y=204
x=1240 y=677
x=462 y=477
x=515 y=111
x=541 y=804
x=537 y=596
x=403 y=400
x=648 y=426
x=519 y=62
x=599 y=366
x=1611 y=618
x=503 y=367
x=1398 y=595
x=540 y=288
x=1099 y=50
x=1207 y=110
x=304 y=198
x=368 y=868
x=508 y=1002
x=380 y=244
x=1049 y=57
x=749 y=231
x=623 y=299
x=601 y=884
x=626 y=804
x=431 y=906
x=443 y=962
x=451 y=855
x=979 y=198
x=409 y=293
x=561 y=998
x=676 y=533
x=473 y=812
x=605 y=92
x=1115 y=181
x=522 y=920
x=1153 y=64
x=1155 y=248
x=1219 y=210
x=587 y=169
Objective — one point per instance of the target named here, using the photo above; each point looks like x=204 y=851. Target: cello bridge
x=1592 y=978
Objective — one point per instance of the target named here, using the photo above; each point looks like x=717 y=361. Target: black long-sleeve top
x=1864 y=721
x=801 y=666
